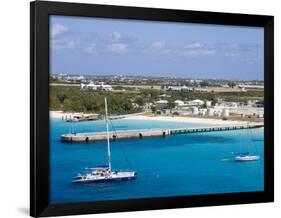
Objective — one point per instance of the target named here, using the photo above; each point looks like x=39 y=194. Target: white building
x=225 y=113
x=227 y=104
x=208 y=103
x=201 y=89
x=100 y=86
x=202 y=111
x=180 y=88
x=186 y=89
x=74 y=78
x=252 y=102
x=195 y=110
x=161 y=104
x=250 y=86
x=196 y=102
x=210 y=112
x=179 y=103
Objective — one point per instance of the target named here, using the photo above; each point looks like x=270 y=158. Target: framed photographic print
x=141 y=109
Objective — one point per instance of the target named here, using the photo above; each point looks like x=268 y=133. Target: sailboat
x=246 y=156
x=105 y=173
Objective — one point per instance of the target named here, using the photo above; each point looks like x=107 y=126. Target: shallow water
x=188 y=164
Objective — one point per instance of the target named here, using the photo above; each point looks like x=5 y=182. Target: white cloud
x=90 y=50
x=158 y=45
x=193 y=49
x=117 y=47
x=64 y=44
x=194 y=45
x=158 y=48
x=244 y=52
x=58 y=29
x=197 y=49
x=116 y=35
x=199 y=52
x=232 y=54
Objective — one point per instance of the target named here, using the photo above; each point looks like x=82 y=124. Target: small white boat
x=80 y=118
x=105 y=173
x=246 y=157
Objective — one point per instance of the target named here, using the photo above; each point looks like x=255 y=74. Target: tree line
x=72 y=99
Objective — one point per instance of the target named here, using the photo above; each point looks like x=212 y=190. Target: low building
x=161 y=104
x=180 y=88
x=201 y=89
x=225 y=112
x=196 y=102
x=210 y=112
x=164 y=111
x=252 y=102
x=208 y=103
x=188 y=104
x=179 y=103
x=74 y=78
x=99 y=86
x=249 y=86
x=202 y=111
x=227 y=104
x=195 y=110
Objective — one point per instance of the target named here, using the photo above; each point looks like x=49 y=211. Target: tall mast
x=107 y=134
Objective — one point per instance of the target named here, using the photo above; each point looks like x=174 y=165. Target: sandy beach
x=208 y=121
x=187 y=120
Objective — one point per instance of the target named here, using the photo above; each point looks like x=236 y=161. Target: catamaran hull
x=104 y=180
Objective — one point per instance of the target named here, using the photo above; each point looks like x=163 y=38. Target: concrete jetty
x=143 y=133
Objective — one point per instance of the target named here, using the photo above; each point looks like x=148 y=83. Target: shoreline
x=60 y=114
x=181 y=119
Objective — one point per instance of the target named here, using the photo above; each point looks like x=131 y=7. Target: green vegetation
x=204 y=83
x=73 y=99
x=232 y=84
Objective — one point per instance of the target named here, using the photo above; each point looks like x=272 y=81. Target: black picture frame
x=39 y=107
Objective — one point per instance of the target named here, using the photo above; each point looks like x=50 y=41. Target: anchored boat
x=81 y=117
x=246 y=156
x=105 y=173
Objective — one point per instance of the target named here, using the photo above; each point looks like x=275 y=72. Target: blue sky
x=96 y=46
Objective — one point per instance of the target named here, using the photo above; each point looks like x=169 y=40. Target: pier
x=144 y=133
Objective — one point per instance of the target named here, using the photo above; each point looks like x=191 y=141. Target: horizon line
x=147 y=76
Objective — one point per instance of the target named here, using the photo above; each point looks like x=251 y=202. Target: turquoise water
x=188 y=164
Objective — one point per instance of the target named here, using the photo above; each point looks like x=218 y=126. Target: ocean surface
x=187 y=164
